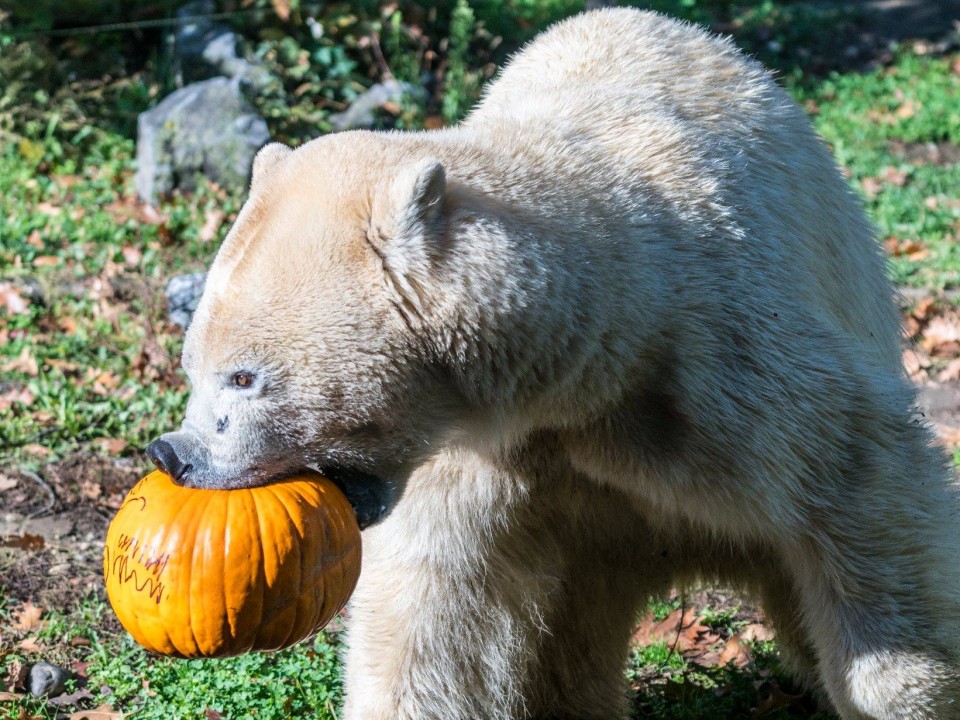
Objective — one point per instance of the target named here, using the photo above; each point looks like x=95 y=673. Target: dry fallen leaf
x=131 y=255
x=24 y=542
x=951 y=373
x=282 y=8
x=7 y=483
x=101 y=712
x=38 y=450
x=25 y=362
x=111 y=446
x=913 y=250
x=12 y=300
x=907 y=110
x=941 y=337
x=20 y=396
x=212 y=221
x=871 y=187
x=28 y=617
x=755 y=632
x=49 y=209
x=680 y=630
x=949 y=436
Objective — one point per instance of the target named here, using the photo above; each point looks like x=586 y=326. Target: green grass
x=866 y=119
x=303 y=681
x=299 y=682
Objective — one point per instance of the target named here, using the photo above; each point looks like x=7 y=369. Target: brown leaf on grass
x=27 y=618
x=101 y=382
x=913 y=250
x=282 y=8
x=24 y=542
x=66 y=181
x=131 y=255
x=13 y=300
x=871 y=187
x=16 y=396
x=894 y=177
x=907 y=109
x=941 y=336
x=211 y=714
x=46 y=261
x=111 y=446
x=25 y=362
x=949 y=436
x=911 y=328
x=732 y=651
x=71 y=698
x=30 y=645
x=681 y=631
x=153 y=361
x=101 y=712
x=49 y=209
x=10 y=697
x=924 y=310
x=755 y=632
x=64 y=366
x=130 y=208
x=212 y=221
x=38 y=450
x=951 y=373
x=67 y=324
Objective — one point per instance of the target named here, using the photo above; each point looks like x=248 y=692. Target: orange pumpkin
x=212 y=573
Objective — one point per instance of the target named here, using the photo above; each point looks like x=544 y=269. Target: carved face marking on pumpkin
x=303 y=351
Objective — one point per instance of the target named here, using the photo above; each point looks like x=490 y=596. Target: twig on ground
x=683 y=612
x=43 y=484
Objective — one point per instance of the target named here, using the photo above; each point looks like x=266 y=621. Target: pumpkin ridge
x=262 y=571
x=196 y=518
x=297 y=527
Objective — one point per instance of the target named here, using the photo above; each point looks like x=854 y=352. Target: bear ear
x=418 y=191
x=267 y=157
x=411 y=228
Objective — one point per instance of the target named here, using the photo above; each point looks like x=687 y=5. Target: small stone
x=46 y=680
x=204 y=49
x=360 y=114
x=207 y=128
x=183 y=296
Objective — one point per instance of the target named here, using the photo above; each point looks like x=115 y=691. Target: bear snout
x=179 y=455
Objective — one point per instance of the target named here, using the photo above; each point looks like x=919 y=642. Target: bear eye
x=243 y=379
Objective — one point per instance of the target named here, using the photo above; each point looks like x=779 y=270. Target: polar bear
x=623 y=328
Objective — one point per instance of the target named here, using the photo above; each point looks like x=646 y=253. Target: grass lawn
x=89 y=374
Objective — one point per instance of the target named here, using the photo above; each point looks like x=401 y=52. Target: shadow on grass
x=694 y=692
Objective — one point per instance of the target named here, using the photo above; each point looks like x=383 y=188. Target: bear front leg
x=474 y=602
x=878 y=581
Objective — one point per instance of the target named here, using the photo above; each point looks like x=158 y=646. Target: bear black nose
x=165 y=457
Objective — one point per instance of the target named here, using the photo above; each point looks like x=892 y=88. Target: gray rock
x=46 y=679
x=204 y=49
x=207 y=128
x=360 y=114
x=183 y=295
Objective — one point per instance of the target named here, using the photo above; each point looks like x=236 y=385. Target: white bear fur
x=623 y=328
